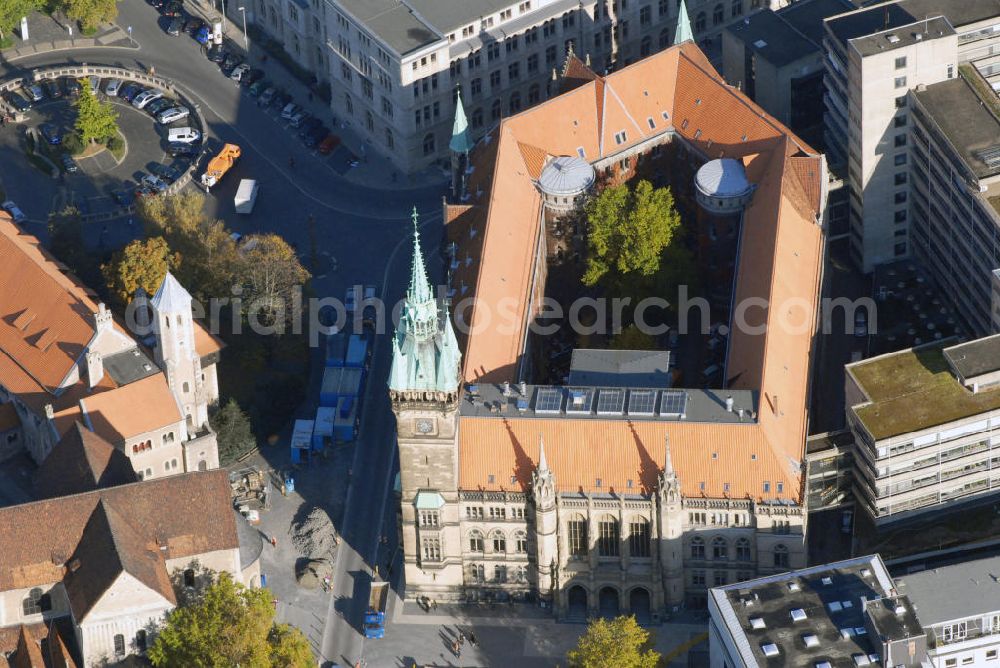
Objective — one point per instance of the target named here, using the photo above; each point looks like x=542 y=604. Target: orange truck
x=220 y=164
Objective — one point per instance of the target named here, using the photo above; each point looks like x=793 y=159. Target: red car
x=329 y=143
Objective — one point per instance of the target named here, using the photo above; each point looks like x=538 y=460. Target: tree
x=620 y=642
x=90 y=13
x=270 y=271
x=141 y=264
x=66 y=242
x=628 y=230
x=11 y=13
x=232 y=429
x=95 y=120
x=230 y=625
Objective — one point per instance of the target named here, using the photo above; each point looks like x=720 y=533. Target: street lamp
x=246 y=35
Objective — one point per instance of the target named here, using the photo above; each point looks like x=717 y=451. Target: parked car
x=154 y=182
x=15 y=212
x=145 y=97
x=19 y=101
x=258 y=87
x=69 y=164
x=123 y=197
x=129 y=91
x=143 y=190
x=315 y=136
x=300 y=116
x=34 y=92
x=187 y=135
x=165 y=172
x=330 y=142
x=173 y=8
x=172 y=115
x=178 y=149
x=50 y=133
x=175 y=26
x=217 y=54
x=290 y=110
x=239 y=71
x=202 y=36
x=230 y=62
x=112 y=87
x=72 y=86
x=156 y=106
x=52 y=89
x=251 y=76
x=267 y=96
x=281 y=100
x=308 y=125
x=193 y=25
x=95 y=82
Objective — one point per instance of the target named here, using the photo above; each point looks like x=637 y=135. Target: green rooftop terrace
x=913 y=390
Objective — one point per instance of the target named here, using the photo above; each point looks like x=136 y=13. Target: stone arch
x=639 y=604
x=608 y=602
x=576 y=602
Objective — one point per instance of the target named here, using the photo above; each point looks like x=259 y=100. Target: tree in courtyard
x=11 y=13
x=233 y=432
x=95 y=120
x=628 y=229
x=230 y=625
x=66 y=242
x=270 y=272
x=90 y=13
x=620 y=642
x=141 y=264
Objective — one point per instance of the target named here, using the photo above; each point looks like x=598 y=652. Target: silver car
x=172 y=115
x=112 y=87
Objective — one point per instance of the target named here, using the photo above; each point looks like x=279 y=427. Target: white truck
x=246 y=196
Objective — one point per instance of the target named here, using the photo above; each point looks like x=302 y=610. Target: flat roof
x=620 y=368
x=129 y=366
x=912 y=390
x=789 y=34
x=970 y=127
x=963 y=590
x=394 y=23
x=959 y=12
x=608 y=403
x=975 y=358
x=832 y=598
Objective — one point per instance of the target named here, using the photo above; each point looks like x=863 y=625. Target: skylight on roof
x=810 y=640
x=823 y=664
x=641 y=402
x=798 y=614
x=652 y=123
x=581 y=400
x=760 y=44
x=621 y=137
x=548 y=400
x=861 y=660
x=673 y=402
x=770 y=649
x=610 y=401
x=827 y=581
x=835 y=606
x=757 y=623
x=847 y=633
x=580 y=151
x=793 y=586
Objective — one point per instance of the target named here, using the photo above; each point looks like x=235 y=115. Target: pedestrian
x=274 y=541
x=152 y=71
x=434 y=603
x=472 y=638
x=461 y=637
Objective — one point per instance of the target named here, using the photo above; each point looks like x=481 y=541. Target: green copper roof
x=425 y=354
x=460 y=142
x=683 y=32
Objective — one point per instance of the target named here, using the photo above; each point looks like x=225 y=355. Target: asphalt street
x=362 y=231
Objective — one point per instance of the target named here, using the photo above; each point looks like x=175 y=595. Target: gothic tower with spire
x=543 y=489
x=670 y=529
x=424 y=384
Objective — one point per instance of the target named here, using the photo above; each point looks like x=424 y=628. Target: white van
x=185 y=135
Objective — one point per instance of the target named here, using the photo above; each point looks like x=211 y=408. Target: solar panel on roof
x=611 y=401
x=673 y=402
x=641 y=402
x=548 y=400
x=581 y=400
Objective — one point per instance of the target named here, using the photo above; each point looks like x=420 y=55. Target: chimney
x=102 y=319
x=523 y=387
x=49 y=412
x=95 y=368
x=729 y=403
x=506 y=388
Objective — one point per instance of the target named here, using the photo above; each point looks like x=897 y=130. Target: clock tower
x=424 y=385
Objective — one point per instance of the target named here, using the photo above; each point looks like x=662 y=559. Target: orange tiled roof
x=133 y=409
x=676 y=90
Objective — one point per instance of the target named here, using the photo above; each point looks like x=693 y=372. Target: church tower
x=682 y=33
x=173 y=327
x=543 y=489
x=670 y=531
x=424 y=388
x=460 y=145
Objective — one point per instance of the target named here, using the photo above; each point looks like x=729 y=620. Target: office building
x=679 y=488
x=926 y=425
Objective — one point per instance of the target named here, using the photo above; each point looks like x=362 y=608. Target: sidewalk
x=373 y=170
x=47 y=34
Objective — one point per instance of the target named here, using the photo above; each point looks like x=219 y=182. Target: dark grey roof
x=894 y=617
x=963 y=590
x=620 y=368
x=251 y=542
x=959 y=12
x=820 y=592
x=393 y=22
x=704 y=406
x=964 y=120
x=975 y=358
x=129 y=366
x=807 y=16
x=773 y=39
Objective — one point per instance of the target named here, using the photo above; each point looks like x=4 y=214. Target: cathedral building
x=615 y=491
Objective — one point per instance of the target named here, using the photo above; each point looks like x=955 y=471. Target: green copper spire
x=460 y=142
x=425 y=355
x=683 y=32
